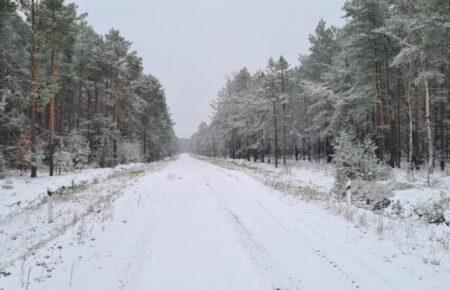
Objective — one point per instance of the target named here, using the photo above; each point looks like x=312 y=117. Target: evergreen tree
x=383 y=74
x=66 y=90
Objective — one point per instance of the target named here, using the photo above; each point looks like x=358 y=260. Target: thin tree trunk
x=63 y=101
x=417 y=157
x=275 y=132
x=115 y=117
x=80 y=94
x=410 y=130
x=284 y=117
x=398 y=125
x=96 y=100
x=444 y=118
x=144 y=137
x=378 y=108
x=52 y=113
x=284 y=134
x=428 y=125
x=34 y=87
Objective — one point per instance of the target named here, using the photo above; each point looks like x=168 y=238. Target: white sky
x=192 y=45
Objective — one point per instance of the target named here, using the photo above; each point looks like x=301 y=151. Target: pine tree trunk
x=34 y=88
x=417 y=157
x=444 y=118
x=308 y=149
x=428 y=125
x=387 y=103
x=318 y=147
x=96 y=100
x=80 y=95
x=398 y=125
x=115 y=119
x=97 y=108
x=443 y=136
x=275 y=132
x=410 y=130
x=63 y=106
x=52 y=113
x=378 y=109
x=144 y=141
x=284 y=118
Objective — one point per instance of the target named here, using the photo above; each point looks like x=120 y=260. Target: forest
x=325 y=166
x=383 y=77
x=71 y=97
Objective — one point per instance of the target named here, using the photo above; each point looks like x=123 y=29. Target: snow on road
x=193 y=225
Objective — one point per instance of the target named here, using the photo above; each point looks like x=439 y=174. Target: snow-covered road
x=193 y=225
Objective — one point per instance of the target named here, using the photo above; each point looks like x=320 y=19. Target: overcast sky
x=191 y=46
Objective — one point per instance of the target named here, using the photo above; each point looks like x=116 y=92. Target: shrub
x=78 y=147
x=130 y=151
x=21 y=152
x=63 y=159
x=355 y=160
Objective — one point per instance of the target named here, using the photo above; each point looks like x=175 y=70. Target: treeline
x=70 y=96
x=384 y=75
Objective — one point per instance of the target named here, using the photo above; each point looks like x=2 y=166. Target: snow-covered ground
x=19 y=192
x=189 y=224
x=407 y=196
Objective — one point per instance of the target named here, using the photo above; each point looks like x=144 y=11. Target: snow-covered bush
x=78 y=147
x=431 y=212
x=104 y=150
x=63 y=159
x=434 y=211
x=396 y=208
x=355 y=160
x=371 y=195
x=130 y=151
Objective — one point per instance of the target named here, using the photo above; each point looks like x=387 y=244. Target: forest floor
x=192 y=224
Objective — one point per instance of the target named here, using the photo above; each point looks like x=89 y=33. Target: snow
x=417 y=189
x=189 y=224
x=411 y=194
x=318 y=175
x=19 y=192
x=447 y=215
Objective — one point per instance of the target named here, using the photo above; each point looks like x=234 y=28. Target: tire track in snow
x=372 y=269
x=274 y=214
x=304 y=227
x=258 y=253
x=322 y=255
x=261 y=257
x=326 y=238
x=143 y=250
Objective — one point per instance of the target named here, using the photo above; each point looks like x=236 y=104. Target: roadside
x=412 y=234
x=29 y=242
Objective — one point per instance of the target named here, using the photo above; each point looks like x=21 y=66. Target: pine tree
x=354 y=160
x=60 y=80
x=58 y=19
x=383 y=74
